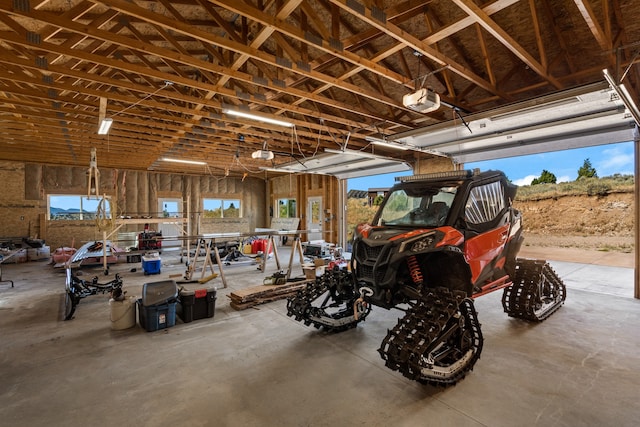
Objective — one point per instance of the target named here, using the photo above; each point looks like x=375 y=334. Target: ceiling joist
x=336 y=69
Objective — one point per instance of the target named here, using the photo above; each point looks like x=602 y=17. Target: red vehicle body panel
x=481 y=250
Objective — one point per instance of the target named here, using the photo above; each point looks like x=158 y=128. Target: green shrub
x=596 y=187
x=599 y=189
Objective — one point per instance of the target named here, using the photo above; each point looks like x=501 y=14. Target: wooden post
x=636 y=191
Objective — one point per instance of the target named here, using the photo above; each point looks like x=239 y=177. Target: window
x=221 y=208
x=286 y=208
x=75 y=207
x=485 y=203
x=418 y=206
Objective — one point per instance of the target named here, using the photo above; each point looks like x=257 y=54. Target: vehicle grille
x=365 y=272
x=368 y=253
x=367 y=257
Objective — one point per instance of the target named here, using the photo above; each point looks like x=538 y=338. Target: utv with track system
x=437 y=242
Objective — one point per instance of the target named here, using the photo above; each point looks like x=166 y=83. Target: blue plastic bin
x=155 y=317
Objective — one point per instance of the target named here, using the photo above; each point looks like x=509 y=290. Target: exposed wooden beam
x=93 y=58
x=325 y=45
x=590 y=18
x=509 y=42
x=163 y=53
x=536 y=30
x=418 y=45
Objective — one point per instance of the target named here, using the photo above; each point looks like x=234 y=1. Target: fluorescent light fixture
x=358 y=153
x=189 y=162
x=260 y=118
x=384 y=143
x=105 y=125
x=404 y=147
x=279 y=170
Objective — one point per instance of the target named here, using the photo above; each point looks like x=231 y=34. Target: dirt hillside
x=568 y=215
x=602 y=223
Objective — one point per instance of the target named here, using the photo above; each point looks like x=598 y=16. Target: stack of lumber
x=249 y=297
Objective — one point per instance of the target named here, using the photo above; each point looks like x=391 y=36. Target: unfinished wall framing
x=23 y=205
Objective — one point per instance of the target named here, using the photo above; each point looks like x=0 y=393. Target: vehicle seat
x=437 y=212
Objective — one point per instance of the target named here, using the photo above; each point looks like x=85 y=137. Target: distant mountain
x=70 y=211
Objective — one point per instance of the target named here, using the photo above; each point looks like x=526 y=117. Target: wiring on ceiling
x=294 y=138
x=239 y=163
x=167 y=83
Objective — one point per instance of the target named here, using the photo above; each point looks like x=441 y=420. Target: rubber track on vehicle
x=423 y=325
x=301 y=308
x=521 y=298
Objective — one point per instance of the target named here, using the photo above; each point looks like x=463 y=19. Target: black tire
x=69 y=305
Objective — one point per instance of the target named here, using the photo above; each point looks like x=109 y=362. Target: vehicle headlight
x=418 y=244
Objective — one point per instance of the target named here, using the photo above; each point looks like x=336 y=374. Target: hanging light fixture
x=105 y=125
x=385 y=143
x=189 y=162
x=252 y=116
x=106 y=122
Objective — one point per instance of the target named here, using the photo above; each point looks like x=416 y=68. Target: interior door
x=314 y=218
x=170 y=208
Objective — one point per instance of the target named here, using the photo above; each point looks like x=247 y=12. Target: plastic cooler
x=196 y=304
x=151 y=264
x=157 y=307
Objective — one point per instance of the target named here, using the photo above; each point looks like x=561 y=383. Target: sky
x=606 y=159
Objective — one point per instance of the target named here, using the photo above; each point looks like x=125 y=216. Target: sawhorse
x=202 y=244
x=295 y=247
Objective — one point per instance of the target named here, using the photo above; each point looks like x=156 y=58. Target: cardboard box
x=313 y=270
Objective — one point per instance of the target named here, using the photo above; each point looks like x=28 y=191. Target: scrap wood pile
x=249 y=297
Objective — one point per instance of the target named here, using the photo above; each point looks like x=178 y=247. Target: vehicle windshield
x=417 y=206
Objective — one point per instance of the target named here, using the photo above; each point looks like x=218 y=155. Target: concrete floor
x=258 y=367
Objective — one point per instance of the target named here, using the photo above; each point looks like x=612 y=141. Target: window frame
x=289 y=203
x=222 y=202
x=484 y=203
x=82 y=210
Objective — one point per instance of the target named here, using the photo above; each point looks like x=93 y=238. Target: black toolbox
x=196 y=304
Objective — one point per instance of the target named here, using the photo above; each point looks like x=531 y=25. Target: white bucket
x=123 y=313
